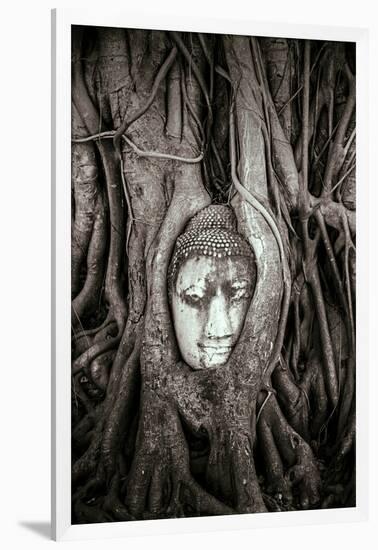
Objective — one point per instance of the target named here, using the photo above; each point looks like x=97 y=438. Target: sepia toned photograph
x=213 y=274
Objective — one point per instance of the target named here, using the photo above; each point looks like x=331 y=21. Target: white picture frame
x=61 y=310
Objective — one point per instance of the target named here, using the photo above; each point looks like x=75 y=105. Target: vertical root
x=88 y=300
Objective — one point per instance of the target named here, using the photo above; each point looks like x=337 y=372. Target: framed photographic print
x=209 y=352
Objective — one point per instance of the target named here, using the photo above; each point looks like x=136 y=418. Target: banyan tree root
x=340 y=476
x=218 y=410
x=161 y=482
x=85 y=191
x=86 y=302
x=112 y=175
x=304 y=401
x=291 y=471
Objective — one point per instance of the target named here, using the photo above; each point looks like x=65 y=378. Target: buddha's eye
x=193 y=296
x=192 y=299
x=239 y=292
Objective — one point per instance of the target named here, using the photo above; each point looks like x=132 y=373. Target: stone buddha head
x=211 y=280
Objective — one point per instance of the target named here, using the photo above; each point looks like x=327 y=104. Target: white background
x=25 y=274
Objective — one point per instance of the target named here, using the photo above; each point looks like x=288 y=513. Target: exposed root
x=290 y=465
x=88 y=300
x=293 y=400
x=112 y=504
x=160 y=479
x=84 y=360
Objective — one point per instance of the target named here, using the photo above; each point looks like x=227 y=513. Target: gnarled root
x=340 y=475
x=292 y=399
x=290 y=467
x=231 y=471
x=160 y=479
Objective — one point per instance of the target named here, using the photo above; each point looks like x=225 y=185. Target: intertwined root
x=161 y=483
x=291 y=471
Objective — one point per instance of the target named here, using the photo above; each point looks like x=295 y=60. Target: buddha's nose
x=218 y=322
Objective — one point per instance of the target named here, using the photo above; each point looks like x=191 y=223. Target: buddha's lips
x=215 y=349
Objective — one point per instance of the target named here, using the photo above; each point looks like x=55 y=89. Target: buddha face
x=209 y=303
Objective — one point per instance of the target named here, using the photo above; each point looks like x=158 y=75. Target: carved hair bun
x=212 y=232
x=213 y=217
